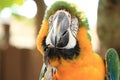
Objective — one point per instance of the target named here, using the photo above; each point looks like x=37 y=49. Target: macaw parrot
x=65 y=44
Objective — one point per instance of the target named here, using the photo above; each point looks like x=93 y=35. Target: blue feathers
x=112 y=64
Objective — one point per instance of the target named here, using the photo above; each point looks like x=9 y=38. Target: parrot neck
x=84 y=42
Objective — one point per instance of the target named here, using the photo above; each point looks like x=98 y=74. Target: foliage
x=9 y=3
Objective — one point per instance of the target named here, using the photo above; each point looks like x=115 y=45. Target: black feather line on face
x=56 y=53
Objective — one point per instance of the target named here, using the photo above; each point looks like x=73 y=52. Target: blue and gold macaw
x=65 y=43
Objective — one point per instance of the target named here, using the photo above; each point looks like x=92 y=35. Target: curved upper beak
x=60 y=35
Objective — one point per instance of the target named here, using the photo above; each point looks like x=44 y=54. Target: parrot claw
x=43 y=70
x=50 y=72
x=47 y=72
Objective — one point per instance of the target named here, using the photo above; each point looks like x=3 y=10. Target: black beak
x=60 y=33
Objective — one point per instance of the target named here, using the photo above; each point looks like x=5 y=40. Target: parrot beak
x=60 y=34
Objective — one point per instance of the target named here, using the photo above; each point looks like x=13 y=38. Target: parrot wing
x=112 y=64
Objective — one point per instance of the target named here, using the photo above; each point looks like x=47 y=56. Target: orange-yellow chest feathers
x=87 y=66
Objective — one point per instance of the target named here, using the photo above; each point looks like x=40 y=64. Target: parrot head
x=64 y=32
x=61 y=39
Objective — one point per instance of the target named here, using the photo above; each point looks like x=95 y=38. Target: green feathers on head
x=71 y=8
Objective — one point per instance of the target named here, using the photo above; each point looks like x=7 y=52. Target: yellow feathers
x=43 y=32
x=83 y=40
